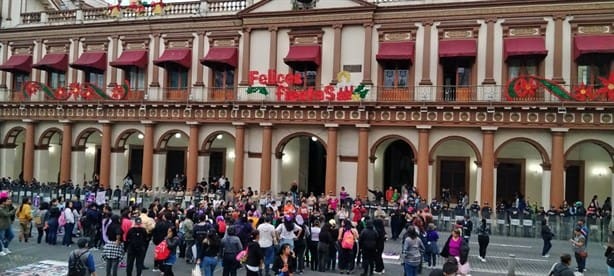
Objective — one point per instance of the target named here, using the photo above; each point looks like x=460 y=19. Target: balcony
x=169 y=10
x=176 y=94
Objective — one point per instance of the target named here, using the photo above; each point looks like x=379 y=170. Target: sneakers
x=483 y=259
x=155 y=270
x=546 y=256
x=2 y=253
x=7 y=251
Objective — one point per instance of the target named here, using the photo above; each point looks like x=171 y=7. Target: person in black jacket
x=159 y=234
x=378 y=224
x=136 y=245
x=254 y=255
x=547 y=236
x=368 y=240
x=285 y=263
x=325 y=242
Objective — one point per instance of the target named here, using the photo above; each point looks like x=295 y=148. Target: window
x=96 y=79
x=19 y=79
x=456 y=79
x=56 y=80
x=309 y=75
x=395 y=76
x=177 y=77
x=521 y=67
x=224 y=78
x=136 y=77
x=591 y=67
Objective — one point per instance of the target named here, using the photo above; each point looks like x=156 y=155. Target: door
x=574 y=182
x=510 y=179
x=398 y=165
x=135 y=168
x=317 y=168
x=175 y=164
x=217 y=162
x=454 y=176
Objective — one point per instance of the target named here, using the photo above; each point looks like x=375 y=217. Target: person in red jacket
x=389 y=194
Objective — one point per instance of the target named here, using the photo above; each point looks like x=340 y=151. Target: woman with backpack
x=347 y=238
x=24 y=215
x=483 y=239
x=231 y=246
x=39 y=220
x=207 y=253
x=412 y=251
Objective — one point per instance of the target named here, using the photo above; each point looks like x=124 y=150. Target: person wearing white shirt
x=267 y=242
x=288 y=231
x=70 y=224
x=313 y=245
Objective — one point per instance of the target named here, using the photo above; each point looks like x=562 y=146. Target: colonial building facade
x=489 y=98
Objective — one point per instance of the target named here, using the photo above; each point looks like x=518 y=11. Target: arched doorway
x=14 y=142
x=303 y=160
x=88 y=162
x=131 y=140
x=519 y=170
x=48 y=165
x=175 y=145
x=587 y=171
x=455 y=160
x=393 y=158
x=219 y=149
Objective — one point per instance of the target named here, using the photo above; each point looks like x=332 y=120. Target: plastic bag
x=196 y=271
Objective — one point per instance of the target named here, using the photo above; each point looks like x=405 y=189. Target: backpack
x=347 y=241
x=62 y=219
x=161 y=252
x=76 y=265
x=137 y=239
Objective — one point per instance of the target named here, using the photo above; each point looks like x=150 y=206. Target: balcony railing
x=169 y=10
x=375 y=94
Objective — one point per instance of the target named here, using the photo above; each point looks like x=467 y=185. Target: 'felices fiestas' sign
x=290 y=88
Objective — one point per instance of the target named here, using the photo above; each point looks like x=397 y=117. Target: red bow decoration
x=583 y=93
x=87 y=92
x=61 y=93
x=117 y=92
x=32 y=88
x=526 y=87
x=607 y=88
x=74 y=89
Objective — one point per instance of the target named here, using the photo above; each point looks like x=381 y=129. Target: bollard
x=511 y=265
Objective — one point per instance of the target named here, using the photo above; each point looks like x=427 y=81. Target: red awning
x=91 y=61
x=178 y=56
x=458 y=48
x=524 y=46
x=396 y=51
x=127 y=59
x=57 y=62
x=18 y=63
x=304 y=54
x=593 y=44
x=221 y=57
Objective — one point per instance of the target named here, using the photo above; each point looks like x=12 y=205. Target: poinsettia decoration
x=526 y=87
x=31 y=88
x=607 y=88
x=583 y=93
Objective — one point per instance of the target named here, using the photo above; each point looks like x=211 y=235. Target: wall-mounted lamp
x=231 y=155
x=219 y=136
x=535 y=168
x=600 y=171
x=313 y=138
x=562 y=110
x=178 y=135
x=140 y=136
x=286 y=158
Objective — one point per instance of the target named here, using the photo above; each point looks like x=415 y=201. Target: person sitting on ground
x=562 y=268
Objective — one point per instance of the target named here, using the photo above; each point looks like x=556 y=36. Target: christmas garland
x=85 y=91
x=525 y=87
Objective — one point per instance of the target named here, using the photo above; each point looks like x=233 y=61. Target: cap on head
x=138 y=221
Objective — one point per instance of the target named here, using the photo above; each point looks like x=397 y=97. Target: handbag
x=583 y=254
x=196 y=271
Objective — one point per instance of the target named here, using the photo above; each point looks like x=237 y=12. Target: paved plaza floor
x=45 y=260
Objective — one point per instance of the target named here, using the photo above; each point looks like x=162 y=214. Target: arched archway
x=219 y=151
x=303 y=159
x=456 y=174
x=14 y=139
x=519 y=163
x=88 y=142
x=50 y=145
x=393 y=157
x=587 y=170
x=174 y=145
x=130 y=140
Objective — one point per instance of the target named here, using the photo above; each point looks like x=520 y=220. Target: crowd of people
x=268 y=234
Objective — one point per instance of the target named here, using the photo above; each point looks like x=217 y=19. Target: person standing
x=313 y=245
x=6 y=235
x=483 y=239
x=24 y=215
x=378 y=224
x=609 y=254
x=347 y=238
x=432 y=249
x=52 y=223
x=172 y=241
x=70 y=224
x=207 y=253
x=231 y=246
x=112 y=253
x=84 y=256
x=547 y=236
x=578 y=244
x=412 y=252
x=562 y=268
x=368 y=244
x=255 y=258
x=456 y=247
x=325 y=241
x=136 y=246
x=467 y=225
x=159 y=233
x=39 y=220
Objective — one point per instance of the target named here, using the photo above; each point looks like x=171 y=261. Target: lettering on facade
x=524 y=31
x=599 y=29
x=458 y=34
x=397 y=36
x=306 y=40
x=290 y=87
x=57 y=49
x=224 y=43
x=352 y=68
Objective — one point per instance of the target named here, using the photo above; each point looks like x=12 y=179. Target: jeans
x=379 y=261
x=52 y=232
x=112 y=265
x=139 y=257
x=6 y=236
x=67 y=240
x=269 y=257
x=167 y=269
x=288 y=241
x=581 y=261
x=230 y=265
x=368 y=261
x=323 y=254
x=483 y=242
x=313 y=255
x=207 y=265
x=610 y=271
x=41 y=232
x=410 y=270
x=547 y=246
x=188 y=250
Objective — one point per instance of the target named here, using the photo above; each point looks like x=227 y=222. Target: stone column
x=490 y=50
x=192 y=156
x=267 y=154
x=119 y=166
x=77 y=159
x=426 y=54
x=114 y=52
x=28 y=151
x=5 y=52
x=557 y=169
x=557 y=69
x=148 y=151
x=478 y=191
x=199 y=53
x=155 y=80
x=41 y=157
x=362 y=174
x=423 y=160
x=546 y=186
x=159 y=169
x=7 y=153
x=337 y=28
x=239 y=155
x=331 y=158
x=246 y=57
x=65 y=160
x=488 y=165
x=105 y=153
x=367 y=58
x=273 y=49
